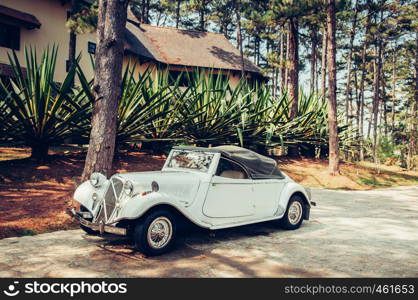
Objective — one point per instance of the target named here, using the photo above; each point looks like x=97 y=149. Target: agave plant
x=37 y=111
x=260 y=114
x=210 y=109
x=145 y=110
x=165 y=125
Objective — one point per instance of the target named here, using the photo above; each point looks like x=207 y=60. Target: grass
x=34 y=196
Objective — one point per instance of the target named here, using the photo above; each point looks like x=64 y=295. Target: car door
x=267 y=194
x=230 y=193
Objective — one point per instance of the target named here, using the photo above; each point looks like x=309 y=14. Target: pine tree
x=332 y=97
x=107 y=90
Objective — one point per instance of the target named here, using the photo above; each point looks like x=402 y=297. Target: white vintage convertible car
x=214 y=188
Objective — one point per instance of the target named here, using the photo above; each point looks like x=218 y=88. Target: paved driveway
x=370 y=233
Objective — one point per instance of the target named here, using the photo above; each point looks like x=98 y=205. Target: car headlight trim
x=97 y=179
x=95 y=198
x=128 y=187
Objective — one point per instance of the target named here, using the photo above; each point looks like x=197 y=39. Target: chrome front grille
x=118 y=186
x=108 y=205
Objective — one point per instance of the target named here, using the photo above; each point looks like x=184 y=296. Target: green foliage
x=157 y=111
x=373 y=182
x=389 y=151
x=84 y=18
x=35 y=110
x=209 y=109
x=145 y=108
x=386 y=149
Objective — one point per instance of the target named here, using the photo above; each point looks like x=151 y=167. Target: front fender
x=288 y=190
x=84 y=194
x=138 y=205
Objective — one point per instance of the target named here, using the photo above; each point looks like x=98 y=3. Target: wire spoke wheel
x=160 y=232
x=295 y=213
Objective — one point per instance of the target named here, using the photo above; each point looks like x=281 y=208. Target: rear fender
x=288 y=191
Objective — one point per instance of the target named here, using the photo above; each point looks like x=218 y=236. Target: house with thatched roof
x=42 y=23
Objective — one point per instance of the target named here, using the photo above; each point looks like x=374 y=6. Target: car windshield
x=194 y=160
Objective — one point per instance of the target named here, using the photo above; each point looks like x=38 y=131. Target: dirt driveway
x=368 y=233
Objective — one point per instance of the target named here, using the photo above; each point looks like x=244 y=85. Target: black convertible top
x=258 y=166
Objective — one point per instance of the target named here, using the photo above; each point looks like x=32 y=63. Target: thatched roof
x=173 y=46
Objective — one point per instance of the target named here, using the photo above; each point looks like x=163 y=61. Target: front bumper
x=101 y=227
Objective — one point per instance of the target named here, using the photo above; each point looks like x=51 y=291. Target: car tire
x=155 y=234
x=295 y=213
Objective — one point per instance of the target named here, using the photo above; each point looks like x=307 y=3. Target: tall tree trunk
x=143 y=10
x=361 y=100
x=384 y=106
x=39 y=150
x=412 y=148
x=293 y=66
x=357 y=104
x=178 y=13
x=239 y=36
x=159 y=17
x=73 y=40
x=273 y=80
x=416 y=97
x=348 y=92
x=107 y=86
x=393 y=90
x=293 y=46
x=362 y=80
x=286 y=72
x=314 y=38
x=202 y=22
x=224 y=29
x=257 y=39
x=282 y=65
x=348 y=95
x=376 y=97
x=332 y=97
x=324 y=63
x=147 y=9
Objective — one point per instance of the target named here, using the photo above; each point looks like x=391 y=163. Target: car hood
x=177 y=184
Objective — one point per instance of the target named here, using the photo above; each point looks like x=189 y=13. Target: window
x=222 y=77
x=91 y=47
x=195 y=160
x=183 y=77
x=229 y=169
x=9 y=36
x=252 y=82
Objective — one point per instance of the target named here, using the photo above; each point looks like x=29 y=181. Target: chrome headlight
x=97 y=179
x=128 y=188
